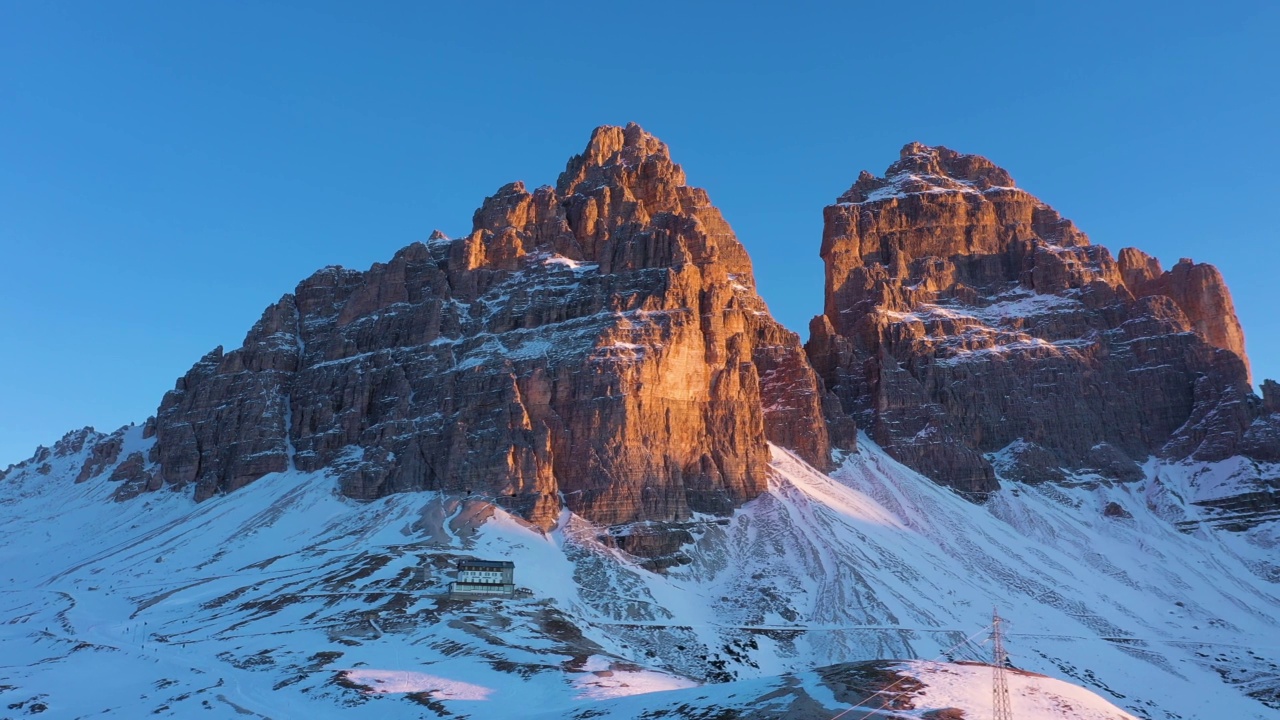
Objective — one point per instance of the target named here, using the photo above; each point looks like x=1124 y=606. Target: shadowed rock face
x=598 y=345
x=967 y=323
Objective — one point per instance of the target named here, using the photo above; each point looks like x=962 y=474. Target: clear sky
x=168 y=169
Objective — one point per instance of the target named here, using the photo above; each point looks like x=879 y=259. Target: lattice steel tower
x=1000 y=706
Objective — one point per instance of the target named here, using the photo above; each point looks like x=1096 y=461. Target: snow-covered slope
x=869 y=691
x=285 y=599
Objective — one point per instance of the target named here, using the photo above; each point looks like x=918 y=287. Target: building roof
x=497 y=564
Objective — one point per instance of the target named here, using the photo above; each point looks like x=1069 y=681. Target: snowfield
x=1031 y=696
x=286 y=600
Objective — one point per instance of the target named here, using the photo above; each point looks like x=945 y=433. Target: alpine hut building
x=478 y=578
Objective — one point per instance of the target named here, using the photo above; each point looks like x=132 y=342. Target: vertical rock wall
x=972 y=329
x=598 y=346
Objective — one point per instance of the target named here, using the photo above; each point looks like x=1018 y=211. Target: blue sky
x=169 y=169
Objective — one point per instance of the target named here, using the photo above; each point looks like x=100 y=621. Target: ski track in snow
x=284 y=599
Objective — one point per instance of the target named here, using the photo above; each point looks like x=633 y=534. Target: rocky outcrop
x=136 y=476
x=1199 y=291
x=598 y=346
x=972 y=329
x=1116 y=510
x=1271 y=396
x=104 y=454
x=87 y=454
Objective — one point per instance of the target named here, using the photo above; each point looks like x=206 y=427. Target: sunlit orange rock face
x=597 y=346
x=969 y=327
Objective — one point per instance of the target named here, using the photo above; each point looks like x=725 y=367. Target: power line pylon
x=1001 y=709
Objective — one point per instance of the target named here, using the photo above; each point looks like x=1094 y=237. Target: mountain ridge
x=571 y=328
x=944 y=253
x=965 y=319
x=990 y=410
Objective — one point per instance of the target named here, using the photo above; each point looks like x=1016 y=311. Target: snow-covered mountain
x=287 y=599
x=589 y=386
x=968 y=324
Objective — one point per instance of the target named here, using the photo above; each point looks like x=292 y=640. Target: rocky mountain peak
x=597 y=346
x=922 y=168
x=1199 y=291
x=615 y=156
x=972 y=329
x=621 y=203
x=1271 y=396
x=889 y=241
x=943 y=162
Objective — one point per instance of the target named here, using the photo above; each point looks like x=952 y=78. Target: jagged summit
x=940 y=204
x=974 y=330
x=1199 y=291
x=922 y=168
x=597 y=346
x=540 y=358
x=936 y=202
x=593 y=356
x=611 y=153
x=621 y=203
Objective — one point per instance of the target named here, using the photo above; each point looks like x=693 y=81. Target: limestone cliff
x=598 y=345
x=971 y=328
